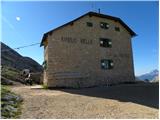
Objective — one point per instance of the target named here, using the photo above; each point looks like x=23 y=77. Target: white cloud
x=18 y=18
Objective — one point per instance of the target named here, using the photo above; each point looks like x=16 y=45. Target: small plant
x=4 y=90
x=45 y=86
x=78 y=85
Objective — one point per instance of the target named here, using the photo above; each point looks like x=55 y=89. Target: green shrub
x=4 y=90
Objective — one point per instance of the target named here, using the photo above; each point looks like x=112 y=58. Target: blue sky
x=24 y=23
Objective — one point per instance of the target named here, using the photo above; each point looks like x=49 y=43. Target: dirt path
x=70 y=103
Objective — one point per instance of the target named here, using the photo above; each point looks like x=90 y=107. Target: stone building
x=92 y=50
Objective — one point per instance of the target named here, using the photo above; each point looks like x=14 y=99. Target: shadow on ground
x=144 y=93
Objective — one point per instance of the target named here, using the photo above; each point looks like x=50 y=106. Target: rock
x=37 y=77
x=11 y=97
x=8 y=97
x=2 y=117
x=19 y=99
x=155 y=79
x=10 y=108
x=5 y=81
x=11 y=102
x=8 y=111
x=9 y=105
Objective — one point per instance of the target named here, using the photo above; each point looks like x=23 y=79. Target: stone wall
x=75 y=50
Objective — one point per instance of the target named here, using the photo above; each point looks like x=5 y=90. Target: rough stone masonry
x=92 y=50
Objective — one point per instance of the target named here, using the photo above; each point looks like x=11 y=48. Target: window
x=89 y=24
x=104 y=25
x=71 y=23
x=105 y=42
x=117 y=29
x=106 y=64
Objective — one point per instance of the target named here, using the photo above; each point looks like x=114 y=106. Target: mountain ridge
x=11 y=58
x=150 y=75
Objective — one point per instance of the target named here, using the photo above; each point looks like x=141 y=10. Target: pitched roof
x=92 y=14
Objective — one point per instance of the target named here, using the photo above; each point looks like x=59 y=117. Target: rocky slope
x=11 y=58
x=10 y=103
x=149 y=76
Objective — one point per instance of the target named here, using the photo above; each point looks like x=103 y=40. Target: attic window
x=104 y=25
x=105 y=42
x=71 y=23
x=89 y=24
x=90 y=15
x=106 y=64
x=117 y=29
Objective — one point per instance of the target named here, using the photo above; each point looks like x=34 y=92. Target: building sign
x=85 y=41
x=74 y=40
x=122 y=55
x=69 y=39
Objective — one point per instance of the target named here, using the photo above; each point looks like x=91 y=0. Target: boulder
x=11 y=97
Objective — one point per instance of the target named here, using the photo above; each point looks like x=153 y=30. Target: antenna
x=93 y=6
x=99 y=10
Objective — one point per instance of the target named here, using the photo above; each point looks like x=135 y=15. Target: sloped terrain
x=11 y=58
x=149 y=76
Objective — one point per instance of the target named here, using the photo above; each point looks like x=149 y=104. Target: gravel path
x=81 y=103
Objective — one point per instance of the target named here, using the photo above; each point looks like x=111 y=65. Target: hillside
x=11 y=58
x=149 y=76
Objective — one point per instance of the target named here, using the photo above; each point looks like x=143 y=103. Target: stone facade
x=73 y=54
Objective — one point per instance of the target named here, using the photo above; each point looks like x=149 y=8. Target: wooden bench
x=69 y=75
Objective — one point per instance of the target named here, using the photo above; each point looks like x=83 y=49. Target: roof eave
x=133 y=34
x=43 y=39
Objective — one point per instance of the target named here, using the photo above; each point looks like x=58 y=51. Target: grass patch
x=4 y=90
x=10 y=73
x=44 y=86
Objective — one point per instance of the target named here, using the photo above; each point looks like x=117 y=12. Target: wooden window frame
x=117 y=29
x=104 y=25
x=105 y=42
x=89 y=24
x=107 y=64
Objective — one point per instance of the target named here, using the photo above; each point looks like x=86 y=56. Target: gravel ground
x=121 y=101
